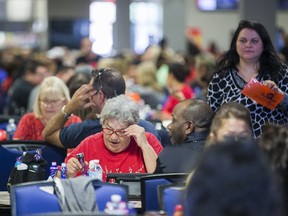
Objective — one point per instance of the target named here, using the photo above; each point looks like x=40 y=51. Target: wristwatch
x=67 y=116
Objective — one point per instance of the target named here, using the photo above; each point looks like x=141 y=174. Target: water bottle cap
x=11 y=120
x=116 y=198
x=54 y=163
x=63 y=164
x=80 y=155
x=179 y=207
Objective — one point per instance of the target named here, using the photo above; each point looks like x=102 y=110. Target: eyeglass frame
x=113 y=131
x=50 y=102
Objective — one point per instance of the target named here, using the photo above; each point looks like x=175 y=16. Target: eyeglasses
x=51 y=102
x=100 y=82
x=108 y=131
x=97 y=74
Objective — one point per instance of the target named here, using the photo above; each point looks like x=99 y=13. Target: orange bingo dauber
x=262 y=94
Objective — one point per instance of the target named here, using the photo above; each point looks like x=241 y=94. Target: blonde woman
x=53 y=94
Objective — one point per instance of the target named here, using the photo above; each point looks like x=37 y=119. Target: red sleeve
x=84 y=147
x=154 y=142
x=75 y=151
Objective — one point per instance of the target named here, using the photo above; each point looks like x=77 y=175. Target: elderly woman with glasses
x=52 y=95
x=122 y=146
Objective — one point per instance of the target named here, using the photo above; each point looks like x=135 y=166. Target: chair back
x=39 y=197
x=10 y=150
x=169 y=196
x=32 y=198
x=104 y=191
x=7 y=162
x=149 y=188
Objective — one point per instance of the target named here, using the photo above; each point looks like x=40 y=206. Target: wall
x=178 y=14
x=68 y=8
x=218 y=26
x=174 y=22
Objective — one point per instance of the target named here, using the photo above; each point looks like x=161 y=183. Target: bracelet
x=67 y=116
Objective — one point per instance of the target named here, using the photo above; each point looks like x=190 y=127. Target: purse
x=31 y=168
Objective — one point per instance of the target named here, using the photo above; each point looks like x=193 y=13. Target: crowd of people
x=94 y=106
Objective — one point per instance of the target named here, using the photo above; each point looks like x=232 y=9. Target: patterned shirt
x=228 y=88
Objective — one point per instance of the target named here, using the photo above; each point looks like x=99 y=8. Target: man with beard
x=189 y=129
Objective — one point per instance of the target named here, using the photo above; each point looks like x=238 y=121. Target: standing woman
x=53 y=94
x=251 y=55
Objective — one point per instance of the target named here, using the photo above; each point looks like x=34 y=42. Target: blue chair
x=7 y=162
x=29 y=198
x=104 y=191
x=169 y=196
x=33 y=198
x=149 y=188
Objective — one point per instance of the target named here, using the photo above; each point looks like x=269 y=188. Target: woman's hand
x=149 y=154
x=138 y=133
x=272 y=85
x=73 y=167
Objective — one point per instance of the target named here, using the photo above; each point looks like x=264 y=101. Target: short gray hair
x=122 y=108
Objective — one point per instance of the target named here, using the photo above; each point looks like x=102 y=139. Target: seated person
x=178 y=89
x=233 y=179
x=53 y=94
x=146 y=85
x=105 y=83
x=273 y=141
x=231 y=121
x=189 y=129
x=33 y=74
x=122 y=146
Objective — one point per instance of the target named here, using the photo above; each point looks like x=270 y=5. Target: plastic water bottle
x=10 y=129
x=95 y=170
x=19 y=159
x=63 y=171
x=53 y=169
x=116 y=206
x=38 y=156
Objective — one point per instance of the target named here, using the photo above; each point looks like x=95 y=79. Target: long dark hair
x=270 y=63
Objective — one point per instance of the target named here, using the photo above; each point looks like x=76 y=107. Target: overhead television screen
x=68 y=32
x=228 y=5
x=213 y=5
x=283 y=4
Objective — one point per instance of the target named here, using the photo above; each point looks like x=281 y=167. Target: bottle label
x=95 y=170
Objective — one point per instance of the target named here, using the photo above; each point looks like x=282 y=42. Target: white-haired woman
x=53 y=94
x=122 y=146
